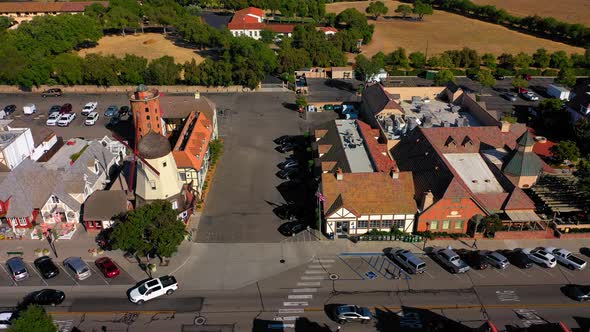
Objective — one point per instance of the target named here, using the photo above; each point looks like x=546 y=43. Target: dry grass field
x=444 y=31
x=571 y=11
x=148 y=45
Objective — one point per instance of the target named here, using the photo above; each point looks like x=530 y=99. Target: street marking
x=312 y=278
x=567 y=272
x=325 y=260
x=507 y=296
x=476 y=273
x=295 y=304
x=526 y=274
x=300 y=297
x=9 y=276
x=291 y=311
x=543 y=269
x=310 y=283
x=498 y=271
x=304 y=290
x=286 y=318
x=69 y=275
x=314 y=266
x=315 y=272
x=99 y=274
x=430 y=275
x=38 y=275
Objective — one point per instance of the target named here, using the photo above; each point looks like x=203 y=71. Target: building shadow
x=262 y=325
x=583 y=324
x=305 y=325
x=411 y=319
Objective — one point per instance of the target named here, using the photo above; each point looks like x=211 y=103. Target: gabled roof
x=452 y=87
x=378 y=99
x=104 y=205
x=250 y=11
x=517 y=200
x=193 y=144
x=369 y=193
x=336 y=152
x=377 y=151
x=526 y=139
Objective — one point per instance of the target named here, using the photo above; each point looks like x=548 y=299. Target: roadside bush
x=549 y=72
x=397 y=72
x=581 y=71
x=416 y=72
x=458 y=72
x=530 y=71
x=435 y=235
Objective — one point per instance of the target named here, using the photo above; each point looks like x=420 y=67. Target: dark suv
x=55 y=92
x=65 y=108
x=9 y=109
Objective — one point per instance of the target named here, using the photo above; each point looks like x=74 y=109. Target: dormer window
x=450 y=141
x=54 y=199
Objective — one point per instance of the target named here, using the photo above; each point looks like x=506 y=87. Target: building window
x=153 y=184
x=386 y=223
x=399 y=223
x=54 y=199
x=147 y=109
x=164 y=164
x=446 y=224
x=175 y=205
x=182 y=176
x=362 y=224
x=433 y=225
x=147 y=117
x=22 y=221
x=155 y=110
x=374 y=223
x=459 y=224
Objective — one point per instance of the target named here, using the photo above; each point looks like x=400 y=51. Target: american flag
x=320 y=197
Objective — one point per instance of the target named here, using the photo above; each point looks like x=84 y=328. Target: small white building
x=381 y=76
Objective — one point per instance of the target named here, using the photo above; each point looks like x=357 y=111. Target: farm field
x=444 y=31
x=571 y=11
x=148 y=45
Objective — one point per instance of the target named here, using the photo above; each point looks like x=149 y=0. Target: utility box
x=559 y=92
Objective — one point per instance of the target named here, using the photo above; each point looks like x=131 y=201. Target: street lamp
x=426 y=237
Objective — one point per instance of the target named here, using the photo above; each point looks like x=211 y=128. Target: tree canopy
x=421 y=9
x=565 y=150
x=33 y=318
x=443 y=77
x=376 y=9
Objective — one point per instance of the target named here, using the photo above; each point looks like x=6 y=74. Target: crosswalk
x=295 y=303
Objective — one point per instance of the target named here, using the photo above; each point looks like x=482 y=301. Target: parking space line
x=99 y=274
x=498 y=271
x=477 y=273
x=526 y=274
x=69 y=275
x=543 y=269
x=39 y=275
x=14 y=282
x=566 y=271
x=430 y=275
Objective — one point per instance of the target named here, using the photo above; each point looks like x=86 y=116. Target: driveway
x=239 y=206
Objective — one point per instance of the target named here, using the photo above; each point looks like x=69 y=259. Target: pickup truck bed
x=167 y=281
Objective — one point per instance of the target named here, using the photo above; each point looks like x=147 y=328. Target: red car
x=107 y=267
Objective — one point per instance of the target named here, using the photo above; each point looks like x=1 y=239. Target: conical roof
x=526 y=139
x=153 y=146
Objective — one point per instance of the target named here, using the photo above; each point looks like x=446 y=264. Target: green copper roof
x=524 y=164
x=526 y=139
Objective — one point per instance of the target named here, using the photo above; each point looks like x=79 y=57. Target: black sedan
x=46 y=267
x=288 y=173
x=473 y=259
x=45 y=297
x=9 y=109
x=518 y=258
x=577 y=292
x=291 y=228
x=285 y=139
x=55 y=109
x=288 y=211
x=286 y=147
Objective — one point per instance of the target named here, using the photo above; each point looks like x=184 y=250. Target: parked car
x=288 y=164
x=530 y=96
x=107 y=267
x=288 y=211
x=352 y=313
x=114 y=120
x=407 y=260
x=91 y=119
x=53 y=92
x=153 y=288
x=52 y=119
x=89 y=107
x=77 y=266
x=579 y=293
x=496 y=259
x=51 y=297
x=566 y=258
x=288 y=173
x=54 y=109
x=29 y=109
x=449 y=259
x=286 y=148
x=292 y=227
x=284 y=139
x=509 y=96
x=6 y=318
x=518 y=258
x=111 y=110
x=9 y=109
x=499 y=77
x=473 y=259
x=541 y=257
x=65 y=119
x=66 y=108
x=124 y=110
x=17 y=269
x=328 y=107
x=46 y=267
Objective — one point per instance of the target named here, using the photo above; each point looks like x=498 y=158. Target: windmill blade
x=136 y=154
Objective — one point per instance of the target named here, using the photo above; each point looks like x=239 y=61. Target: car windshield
x=142 y=289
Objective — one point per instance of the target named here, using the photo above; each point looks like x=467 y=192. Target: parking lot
x=377 y=271
x=65 y=277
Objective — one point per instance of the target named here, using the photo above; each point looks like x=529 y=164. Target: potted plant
x=38 y=252
x=100 y=251
x=152 y=267
x=45 y=252
x=92 y=252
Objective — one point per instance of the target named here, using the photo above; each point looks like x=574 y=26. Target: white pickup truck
x=566 y=258
x=153 y=288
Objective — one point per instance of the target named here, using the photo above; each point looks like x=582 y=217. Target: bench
x=20 y=253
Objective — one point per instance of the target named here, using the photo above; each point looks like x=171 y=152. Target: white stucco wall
x=151 y=186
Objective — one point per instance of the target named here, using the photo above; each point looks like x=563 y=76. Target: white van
x=29 y=109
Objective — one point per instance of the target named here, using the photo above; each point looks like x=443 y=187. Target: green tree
x=421 y=9
x=274 y=6
x=581 y=133
x=397 y=59
x=523 y=60
x=491 y=224
x=376 y=9
x=417 y=60
x=34 y=318
x=67 y=68
x=518 y=82
x=565 y=150
x=101 y=70
x=355 y=24
x=404 y=9
x=5 y=23
x=133 y=69
x=443 y=77
x=151 y=227
x=550 y=105
x=267 y=36
x=486 y=79
x=365 y=68
x=582 y=173
x=291 y=59
x=506 y=61
x=163 y=71
x=301 y=102
x=559 y=60
x=191 y=70
x=566 y=76
x=541 y=58
x=489 y=60
x=554 y=117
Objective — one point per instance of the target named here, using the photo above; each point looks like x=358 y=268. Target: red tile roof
x=251 y=11
x=280 y=28
x=328 y=29
x=542 y=149
x=47 y=7
x=193 y=152
x=244 y=19
x=377 y=151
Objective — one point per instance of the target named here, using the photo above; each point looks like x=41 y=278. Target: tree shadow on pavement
x=305 y=325
x=583 y=323
x=416 y=319
x=262 y=325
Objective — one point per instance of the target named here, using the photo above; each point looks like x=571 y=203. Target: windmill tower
x=156 y=170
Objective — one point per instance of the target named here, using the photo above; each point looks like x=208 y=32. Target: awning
x=523 y=216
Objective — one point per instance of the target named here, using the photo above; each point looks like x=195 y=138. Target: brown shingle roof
x=104 y=205
x=378 y=99
x=369 y=193
x=47 y=7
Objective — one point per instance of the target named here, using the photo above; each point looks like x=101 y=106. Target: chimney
x=505 y=126
x=427 y=200
x=339 y=174
x=394 y=175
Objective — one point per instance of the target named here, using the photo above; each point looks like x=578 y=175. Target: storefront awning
x=523 y=216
